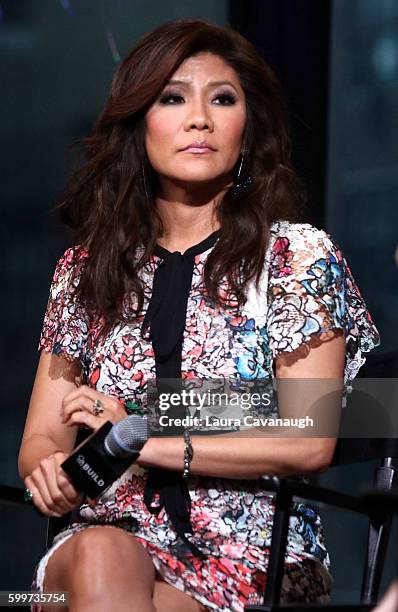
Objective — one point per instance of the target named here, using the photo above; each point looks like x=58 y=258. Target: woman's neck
x=185 y=225
x=182 y=242
x=188 y=216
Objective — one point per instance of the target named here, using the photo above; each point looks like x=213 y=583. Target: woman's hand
x=77 y=408
x=53 y=491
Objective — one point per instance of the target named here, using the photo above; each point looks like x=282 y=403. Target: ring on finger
x=28 y=495
x=98 y=407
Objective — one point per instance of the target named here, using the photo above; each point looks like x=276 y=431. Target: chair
x=348 y=450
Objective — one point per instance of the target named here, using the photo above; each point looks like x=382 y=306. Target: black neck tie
x=166 y=316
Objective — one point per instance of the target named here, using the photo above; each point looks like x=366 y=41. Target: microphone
x=104 y=455
x=127 y=436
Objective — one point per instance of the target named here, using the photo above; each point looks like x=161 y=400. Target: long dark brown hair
x=112 y=213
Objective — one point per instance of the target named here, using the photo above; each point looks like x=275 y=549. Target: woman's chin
x=197 y=180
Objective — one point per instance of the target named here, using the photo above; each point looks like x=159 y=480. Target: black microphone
x=105 y=454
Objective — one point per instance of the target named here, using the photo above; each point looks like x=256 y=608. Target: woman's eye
x=228 y=99
x=165 y=99
x=225 y=99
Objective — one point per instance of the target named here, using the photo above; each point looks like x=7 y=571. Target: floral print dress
x=306 y=295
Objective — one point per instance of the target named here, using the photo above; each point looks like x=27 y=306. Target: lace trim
x=288 y=358
x=49 y=346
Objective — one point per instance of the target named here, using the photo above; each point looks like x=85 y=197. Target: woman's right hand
x=53 y=491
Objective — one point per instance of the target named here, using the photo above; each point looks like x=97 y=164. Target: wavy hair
x=106 y=202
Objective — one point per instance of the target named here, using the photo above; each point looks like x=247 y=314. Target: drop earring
x=241 y=183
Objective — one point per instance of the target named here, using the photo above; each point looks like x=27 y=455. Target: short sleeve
x=65 y=325
x=312 y=297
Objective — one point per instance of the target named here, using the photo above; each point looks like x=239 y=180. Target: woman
x=186 y=203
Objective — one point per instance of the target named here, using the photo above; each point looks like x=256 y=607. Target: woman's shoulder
x=312 y=291
x=298 y=231
x=68 y=268
x=72 y=258
x=73 y=255
x=302 y=238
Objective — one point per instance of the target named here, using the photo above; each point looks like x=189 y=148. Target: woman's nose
x=198 y=116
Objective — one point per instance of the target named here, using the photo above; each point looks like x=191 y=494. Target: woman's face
x=202 y=103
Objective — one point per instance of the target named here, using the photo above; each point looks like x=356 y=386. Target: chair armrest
x=13 y=495
x=293 y=488
x=374 y=499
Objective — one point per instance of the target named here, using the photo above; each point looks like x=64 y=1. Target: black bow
x=166 y=317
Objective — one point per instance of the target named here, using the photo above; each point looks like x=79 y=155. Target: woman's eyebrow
x=209 y=84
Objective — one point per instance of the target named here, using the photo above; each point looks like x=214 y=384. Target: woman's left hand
x=77 y=408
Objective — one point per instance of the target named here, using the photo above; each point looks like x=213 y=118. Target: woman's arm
x=48 y=438
x=44 y=432
x=247 y=456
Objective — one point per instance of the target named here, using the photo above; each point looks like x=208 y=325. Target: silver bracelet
x=188 y=454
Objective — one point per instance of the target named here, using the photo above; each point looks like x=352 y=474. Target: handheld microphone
x=105 y=454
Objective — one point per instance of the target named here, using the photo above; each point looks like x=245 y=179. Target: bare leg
x=102 y=568
x=167 y=598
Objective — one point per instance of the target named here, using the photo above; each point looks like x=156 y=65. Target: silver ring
x=98 y=407
x=28 y=495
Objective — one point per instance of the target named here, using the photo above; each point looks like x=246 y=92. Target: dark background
x=338 y=63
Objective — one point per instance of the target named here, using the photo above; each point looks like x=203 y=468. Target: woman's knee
x=94 y=555
x=100 y=544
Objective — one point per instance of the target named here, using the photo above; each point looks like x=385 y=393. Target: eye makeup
x=227 y=96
